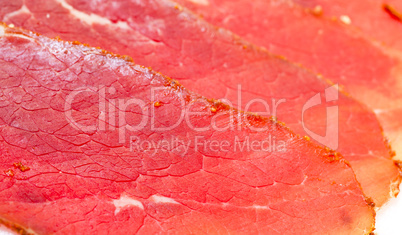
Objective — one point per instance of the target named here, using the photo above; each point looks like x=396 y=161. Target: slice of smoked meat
x=215 y=63
x=369 y=70
x=83 y=145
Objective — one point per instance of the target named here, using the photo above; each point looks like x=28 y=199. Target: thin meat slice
x=83 y=146
x=216 y=63
x=380 y=20
x=381 y=23
x=366 y=69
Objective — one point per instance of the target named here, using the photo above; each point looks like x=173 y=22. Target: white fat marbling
x=91 y=18
x=160 y=199
x=124 y=201
x=200 y=2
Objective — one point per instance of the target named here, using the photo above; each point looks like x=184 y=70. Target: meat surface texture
x=379 y=20
x=215 y=63
x=68 y=168
x=368 y=70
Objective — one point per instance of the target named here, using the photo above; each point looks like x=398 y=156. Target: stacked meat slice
x=367 y=61
x=380 y=22
x=71 y=179
x=80 y=166
x=216 y=63
x=377 y=20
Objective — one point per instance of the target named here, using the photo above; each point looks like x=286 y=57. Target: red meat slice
x=213 y=62
x=368 y=71
x=377 y=19
x=381 y=23
x=66 y=168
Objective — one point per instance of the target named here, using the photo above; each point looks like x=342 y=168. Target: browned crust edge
x=16 y=227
